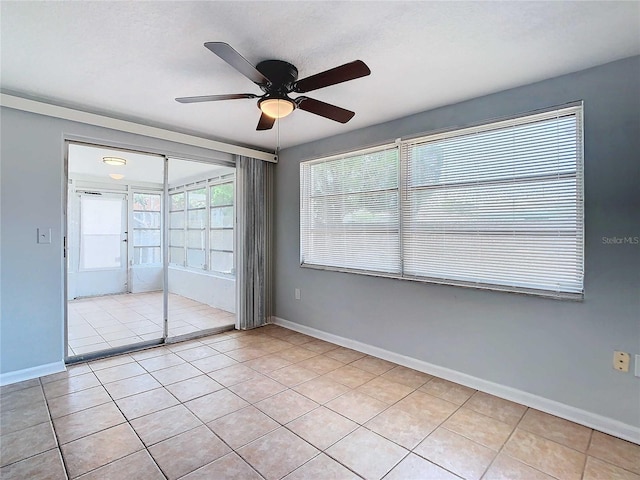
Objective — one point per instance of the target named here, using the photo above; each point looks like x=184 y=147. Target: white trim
x=65 y=113
x=577 y=415
x=32 y=372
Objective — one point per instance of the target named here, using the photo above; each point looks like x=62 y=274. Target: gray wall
x=560 y=350
x=32 y=186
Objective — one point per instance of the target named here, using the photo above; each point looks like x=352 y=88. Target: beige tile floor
x=100 y=323
x=271 y=404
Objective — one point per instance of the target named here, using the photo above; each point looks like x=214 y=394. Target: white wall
x=217 y=291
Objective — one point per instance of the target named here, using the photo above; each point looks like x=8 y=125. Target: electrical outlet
x=297 y=292
x=621 y=361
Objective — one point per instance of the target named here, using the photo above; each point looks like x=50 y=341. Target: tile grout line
x=55 y=433
x=256 y=345
x=586 y=454
x=504 y=444
x=128 y=422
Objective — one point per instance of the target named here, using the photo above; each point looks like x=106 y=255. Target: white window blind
x=495 y=206
x=349 y=212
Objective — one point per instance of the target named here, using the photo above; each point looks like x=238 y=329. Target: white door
x=102 y=262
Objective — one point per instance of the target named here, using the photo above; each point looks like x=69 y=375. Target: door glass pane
x=147 y=255
x=150 y=202
x=146 y=238
x=197 y=188
x=146 y=219
x=100 y=232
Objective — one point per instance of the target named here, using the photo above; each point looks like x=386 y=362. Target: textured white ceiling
x=131 y=59
x=85 y=161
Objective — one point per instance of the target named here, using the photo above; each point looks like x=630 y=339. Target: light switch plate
x=44 y=235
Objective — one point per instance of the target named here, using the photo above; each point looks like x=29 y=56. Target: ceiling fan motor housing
x=281 y=74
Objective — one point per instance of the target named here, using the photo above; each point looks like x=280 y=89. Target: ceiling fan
x=277 y=79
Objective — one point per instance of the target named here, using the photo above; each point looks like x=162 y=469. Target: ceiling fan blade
x=227 y=53
x=343 y=73
x=266 y=122
x=214 y=98
x=324 y=109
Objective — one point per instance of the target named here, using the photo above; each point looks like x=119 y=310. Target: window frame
x=231 y=205
x=138 y=191
x=574 y=108
x=206 y=184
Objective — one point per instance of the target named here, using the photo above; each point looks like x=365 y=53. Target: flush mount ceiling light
x=276 y=107
x=116 y=176
x=116 y=161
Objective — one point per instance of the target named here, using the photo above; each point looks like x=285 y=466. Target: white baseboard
x=33 y=372
x=577 y=415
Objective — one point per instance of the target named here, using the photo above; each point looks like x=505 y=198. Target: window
x=221 y=230
x=147 y=229
x=176 y=229
x=495 y=206
x=201 y=225
x=196 y=227
x=349 y=212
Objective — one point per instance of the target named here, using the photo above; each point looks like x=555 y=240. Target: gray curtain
x=254 y=180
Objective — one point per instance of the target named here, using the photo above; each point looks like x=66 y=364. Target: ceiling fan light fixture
x=115 y=161
x=276 y=107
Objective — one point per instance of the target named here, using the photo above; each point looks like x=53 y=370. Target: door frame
x=165 y=292
x=165 y=155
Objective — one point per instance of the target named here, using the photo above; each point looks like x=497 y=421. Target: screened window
x=147 y=229
x=494 y=206
x=201 y=226
x=221 y=229
x=196 y=228
x=176 y=229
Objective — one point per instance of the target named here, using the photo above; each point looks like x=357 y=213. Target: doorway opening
x=140 y=271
